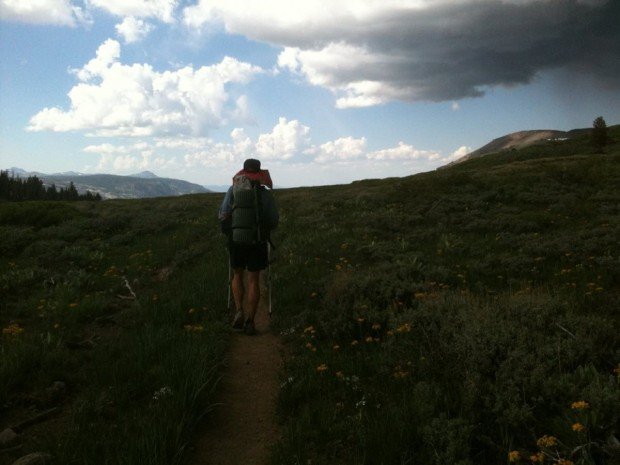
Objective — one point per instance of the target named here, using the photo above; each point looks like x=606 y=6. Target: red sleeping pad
x=261 y=176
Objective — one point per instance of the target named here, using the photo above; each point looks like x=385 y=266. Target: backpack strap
x=257 y=212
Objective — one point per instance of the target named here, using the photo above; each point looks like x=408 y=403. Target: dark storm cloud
x=438 y=50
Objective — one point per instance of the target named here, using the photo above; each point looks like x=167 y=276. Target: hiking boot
x=238 y=321
x=249 y=328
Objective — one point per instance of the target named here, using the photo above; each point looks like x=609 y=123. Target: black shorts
x=250 y=257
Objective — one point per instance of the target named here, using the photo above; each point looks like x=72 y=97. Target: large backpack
x=253 y=211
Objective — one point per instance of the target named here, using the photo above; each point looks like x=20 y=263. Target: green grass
x=469 y=307
x=450 y=317
x=151 y=364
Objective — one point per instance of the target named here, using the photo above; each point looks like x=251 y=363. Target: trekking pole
x=229 y=285
x=269 y=274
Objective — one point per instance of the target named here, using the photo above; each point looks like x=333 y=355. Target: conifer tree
x=4 y=185
x=15 y=189
x=599 y=134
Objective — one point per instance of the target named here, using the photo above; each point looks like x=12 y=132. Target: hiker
x=247 y=216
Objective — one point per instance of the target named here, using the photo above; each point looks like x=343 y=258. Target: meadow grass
x=139 y=372
x=454 y=317
x=464 y=316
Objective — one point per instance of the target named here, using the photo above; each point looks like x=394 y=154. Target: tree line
x=14 y=188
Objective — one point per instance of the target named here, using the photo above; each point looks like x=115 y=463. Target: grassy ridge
x=455 y=317
x=138 y=371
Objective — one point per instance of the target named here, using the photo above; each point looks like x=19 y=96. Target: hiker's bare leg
x=237 y=287
x=253 y=294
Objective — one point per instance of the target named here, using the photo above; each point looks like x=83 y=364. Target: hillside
x=521 y=140
x=140 y=185
x=451 y=317
x=456 y=316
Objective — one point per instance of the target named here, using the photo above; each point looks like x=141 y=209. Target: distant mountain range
x=218 y=188
x=519 y=140
x=109 y=186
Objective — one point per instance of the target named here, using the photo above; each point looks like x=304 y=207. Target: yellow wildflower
x=309 y=329
x=354 y=342
x=12 y=330
x=539 y=457
x=580 y=405
x=404 y=328
x=336 y=347
x=376 y=327
x=194 y=328
x=339 y=374
x=514 y=456
x=369 y=339
x=547 y=441
x=321 y=368
x=578 y=427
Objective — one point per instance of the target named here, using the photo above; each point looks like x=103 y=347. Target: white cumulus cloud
x=286 y=148
x=115 y=99
x=133 y=30
x=403 y=152
x=105 y=149
x=56 y=12
x=342 y=149
x=70 y=13
x=287 y=139
x=162 y=10
x=459 y=153
x=127 y=163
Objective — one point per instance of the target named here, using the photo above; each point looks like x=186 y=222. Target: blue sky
x=322 y=92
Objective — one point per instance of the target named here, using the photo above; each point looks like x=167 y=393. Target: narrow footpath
x=243 y=425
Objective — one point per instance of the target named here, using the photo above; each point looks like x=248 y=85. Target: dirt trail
x=244 y=423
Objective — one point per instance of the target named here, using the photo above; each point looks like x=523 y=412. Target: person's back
x=248 y=214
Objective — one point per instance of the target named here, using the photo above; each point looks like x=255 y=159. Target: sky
x=321 y=91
